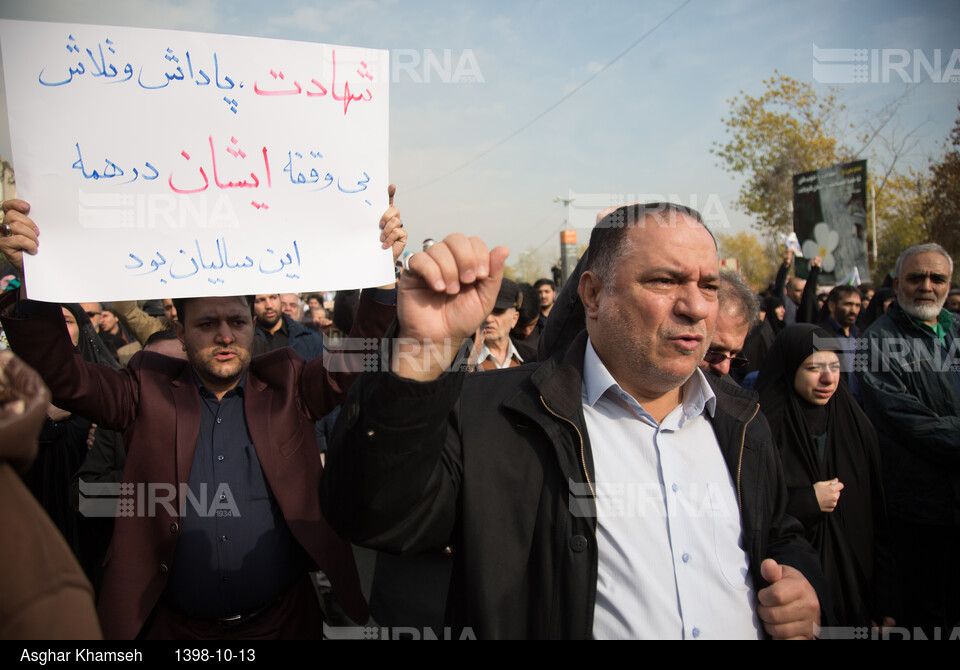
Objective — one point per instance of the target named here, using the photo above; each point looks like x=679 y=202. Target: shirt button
x=220 y=457
x=219 y=420
x=578 y=543
x=226 y=579
x=174 y=527
x=223 y=496
x=685 y=558
x=164 y=569
x=674 y=487
x=223 y=538
x=696 y=633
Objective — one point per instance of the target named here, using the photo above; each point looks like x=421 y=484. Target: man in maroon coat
x=218 y=519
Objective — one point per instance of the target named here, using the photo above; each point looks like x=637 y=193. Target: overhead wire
x=553 y=106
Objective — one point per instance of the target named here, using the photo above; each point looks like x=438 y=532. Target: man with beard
x=276 y=329
x=843 y=310
x=547 y=291
x=910 y=383
x=843 y=305
x=222 y=522
x=611 y=491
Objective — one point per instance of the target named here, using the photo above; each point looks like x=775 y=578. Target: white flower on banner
x=824 y=241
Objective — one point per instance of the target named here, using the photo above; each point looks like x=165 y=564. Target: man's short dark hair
x=842 y=292
x=160 y=336
x=608 y=241
x=180 y=303
x=544 y=282
x=734 y=290
x=530 y=305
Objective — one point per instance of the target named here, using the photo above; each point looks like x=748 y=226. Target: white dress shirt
x=511 y=354
x=671 y=563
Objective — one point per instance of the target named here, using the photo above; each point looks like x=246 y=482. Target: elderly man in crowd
x=611 y=491
x=498 y=350
x=910 y=384
x=739 y=312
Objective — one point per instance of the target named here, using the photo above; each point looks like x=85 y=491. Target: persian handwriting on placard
x=155 y=264
x=310 y=178
x=238 y=154
x=282 y=261
x=361 y=184
x=203 y=174
x=272 y=89
x=98 y=66
x=296 y=169
x=111 y=170
x=830 y=183
x=305 y=170
x=99 y=62
x=178 y=74
x=216 y=262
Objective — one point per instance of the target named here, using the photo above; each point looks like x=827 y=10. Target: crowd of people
x=651 y=450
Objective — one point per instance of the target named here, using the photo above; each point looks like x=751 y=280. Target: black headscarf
x=770 y=305
x=875 y=309
x=90 y=345
x=63 y=448
x=845 y=537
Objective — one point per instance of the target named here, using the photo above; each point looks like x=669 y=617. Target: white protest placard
x=164 y=164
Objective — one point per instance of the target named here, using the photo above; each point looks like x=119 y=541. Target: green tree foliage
x=789 y=129
x=942 y=201
x=757 y=265
x=900 y=219
x=530 y=265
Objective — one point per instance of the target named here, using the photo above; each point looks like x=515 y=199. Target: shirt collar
x=940 y=328
x=597 y=380
x=838 y=329
x=511 y=353
x=239 y=389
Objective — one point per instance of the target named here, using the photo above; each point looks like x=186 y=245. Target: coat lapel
x=186 y=398
x=257 y=407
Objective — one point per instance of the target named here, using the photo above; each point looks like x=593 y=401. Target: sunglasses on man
x=717 y=357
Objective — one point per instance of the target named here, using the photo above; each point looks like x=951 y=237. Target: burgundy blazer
x=155 y=403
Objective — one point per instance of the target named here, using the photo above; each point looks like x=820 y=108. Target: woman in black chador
x=831 y=464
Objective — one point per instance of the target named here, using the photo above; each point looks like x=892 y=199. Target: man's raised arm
x=393 y=469
x=38 y=334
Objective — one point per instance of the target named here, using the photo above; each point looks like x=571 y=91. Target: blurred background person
x=43 y=592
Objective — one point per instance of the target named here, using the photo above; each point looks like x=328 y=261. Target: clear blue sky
x=643 y=126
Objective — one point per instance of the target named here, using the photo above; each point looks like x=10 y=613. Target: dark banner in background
x=830 y=220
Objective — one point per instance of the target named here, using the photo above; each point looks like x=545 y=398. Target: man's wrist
x=423 y=360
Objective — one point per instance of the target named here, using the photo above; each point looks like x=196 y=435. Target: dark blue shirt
x=235 y=552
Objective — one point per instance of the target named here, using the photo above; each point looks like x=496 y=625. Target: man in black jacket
x=909 y=373
x=275 y=329
x=514 y=468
